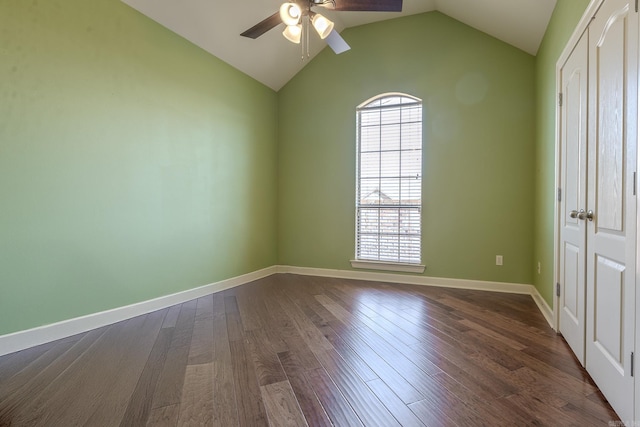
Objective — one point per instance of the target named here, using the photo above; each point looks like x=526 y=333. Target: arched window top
x=389 y=100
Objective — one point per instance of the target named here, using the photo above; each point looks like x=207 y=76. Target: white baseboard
x=32 y=337
x=480 y=285
x=513 y=288
x=544 y=308
x=24 y=339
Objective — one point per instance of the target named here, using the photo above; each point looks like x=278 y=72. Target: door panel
x=573 y=158
x=611 y=236
x=609 y=310
x=572 y=287
x=609 y=59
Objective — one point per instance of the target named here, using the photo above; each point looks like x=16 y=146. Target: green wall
x=563 y=22
x=132 y=163
x=135 y=165
x=478 y=153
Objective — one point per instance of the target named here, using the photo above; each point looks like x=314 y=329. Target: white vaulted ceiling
x=215 y=26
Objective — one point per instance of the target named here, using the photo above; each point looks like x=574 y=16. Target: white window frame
x=389 y=257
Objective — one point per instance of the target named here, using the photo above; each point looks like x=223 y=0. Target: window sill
x=387 y=266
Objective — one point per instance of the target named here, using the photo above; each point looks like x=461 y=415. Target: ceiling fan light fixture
x=293 y=33
x=290 y=13
x=322 y=25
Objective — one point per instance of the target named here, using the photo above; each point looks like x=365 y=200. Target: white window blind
x=389 y=179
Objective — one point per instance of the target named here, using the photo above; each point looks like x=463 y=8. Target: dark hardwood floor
x=298 y=350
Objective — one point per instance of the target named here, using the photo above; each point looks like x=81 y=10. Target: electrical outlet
x=498 y=259
x=538 y=267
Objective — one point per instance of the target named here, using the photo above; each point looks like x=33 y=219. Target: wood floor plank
x=171 y=318
x=17 y=397
x=251 y=410
x=423 y=299
x=235 y=329
x=433 y=412
x=266 y=363
x=558 y=358
x=469 y=408
x=13 y=384
x=225 y=411
x=169 y=386
x=460 y=364
x=309 y=404
x=290 y=349
x=201 y=349
x=139 y=406
x=559 y=397
x=248 y=310
x=602 y=413
x=84 y=386
x=303 y=298
x=454 y=405
x=183 y=330
x=338 y=409
x=290 y=334
x=495 y=349
x=204 y=307
x=114 y=402
x=13 y=363
x=516 y=307
x=281 y=405
x=467 y=342
x=366 y=405
x=466 y=307
x=523 y=334
x=398 y=328
x=385 y=300
x=196 y=404
x=392 y=402
x=166 y=416
x=544 y=414
x=421 y=323
x=339 y=312
x=407 y=351
x=305 y=327
x=549 y=371
x=384 y=370
x=493 y=334
x=392 y=317
x=358 y=365
x=414 y=373
x=255 y=314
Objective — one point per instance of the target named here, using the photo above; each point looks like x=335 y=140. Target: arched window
x=389 y=179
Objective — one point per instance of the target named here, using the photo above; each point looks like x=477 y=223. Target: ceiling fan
x=298 y=12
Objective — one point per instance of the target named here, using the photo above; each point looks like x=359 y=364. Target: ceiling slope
x=215 y=26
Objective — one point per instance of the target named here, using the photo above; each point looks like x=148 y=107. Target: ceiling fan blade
x=336 y=42
x=263 y=26
x=365 y=5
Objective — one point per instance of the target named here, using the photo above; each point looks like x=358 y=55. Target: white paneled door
x=573 y=158
x=611 y=202
x=597 y=211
